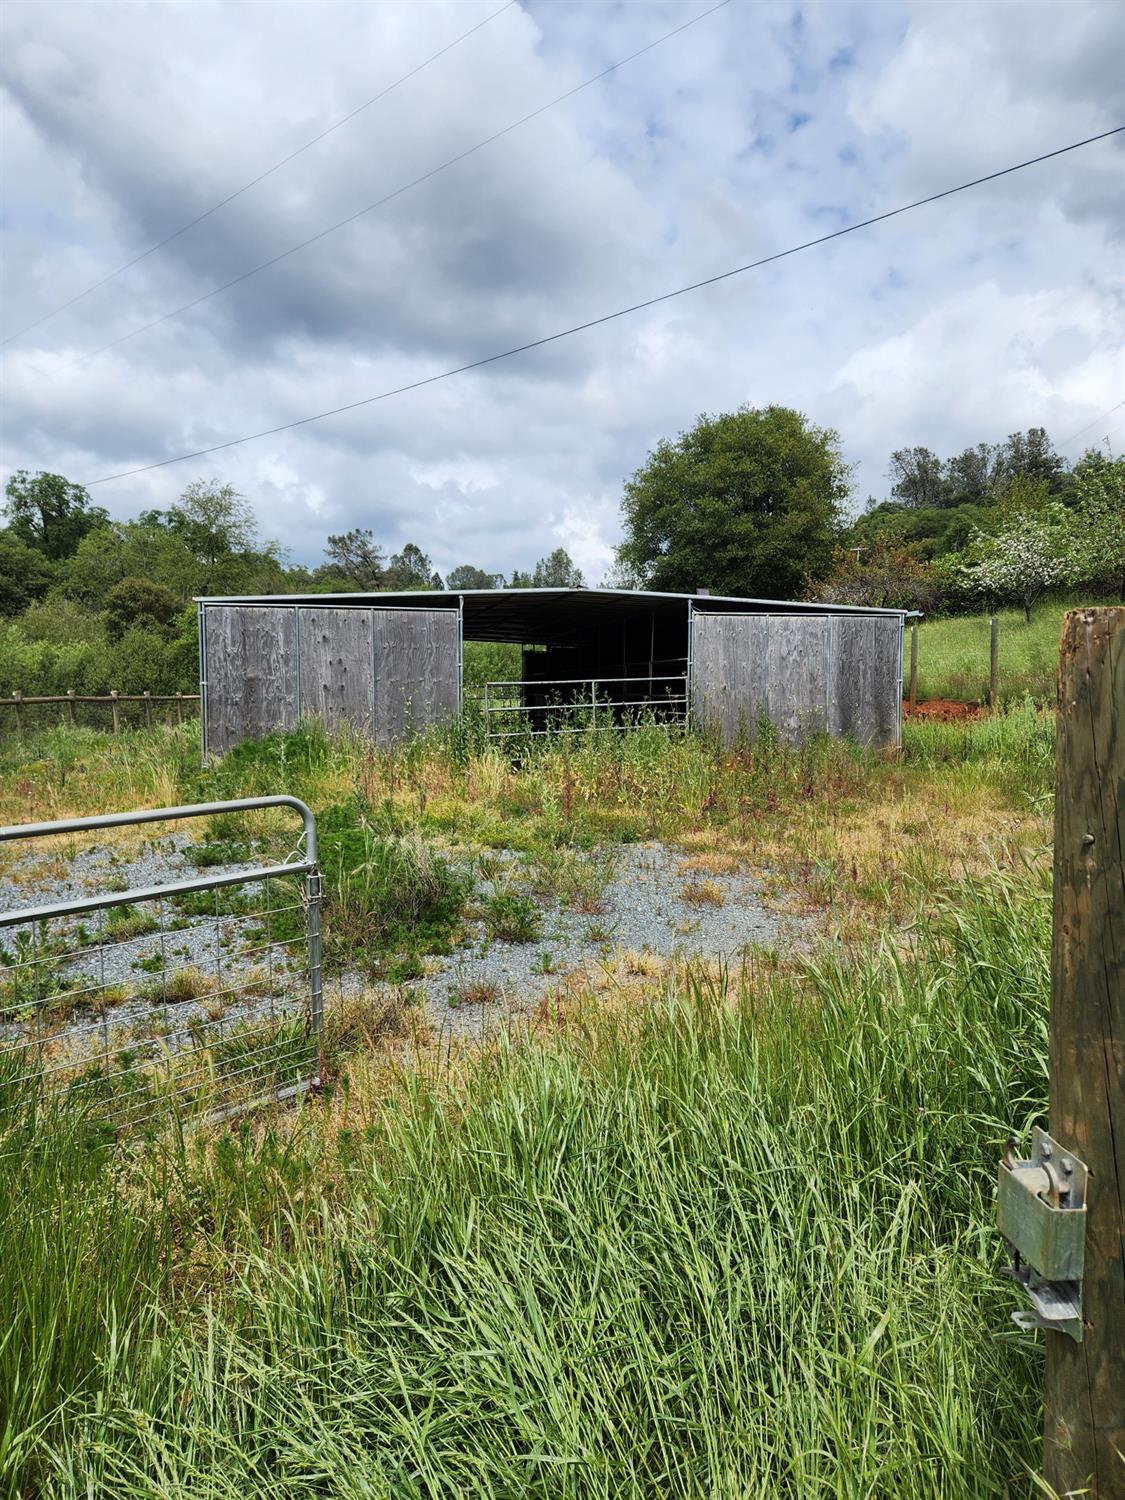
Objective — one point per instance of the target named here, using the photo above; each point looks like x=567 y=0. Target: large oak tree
x=749 y=502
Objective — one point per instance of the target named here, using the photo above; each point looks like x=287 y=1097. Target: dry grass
x=474 y=992
x=703 y=893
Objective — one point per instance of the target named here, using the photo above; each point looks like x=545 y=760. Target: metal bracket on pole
x=1041 y=1212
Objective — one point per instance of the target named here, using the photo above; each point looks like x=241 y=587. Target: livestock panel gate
x=388 y=672
x=832 y=673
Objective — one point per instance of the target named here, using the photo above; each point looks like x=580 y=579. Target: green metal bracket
x=1041 y=1212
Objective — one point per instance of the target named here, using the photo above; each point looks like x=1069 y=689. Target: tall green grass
x=953 y=655
x=737 y=1242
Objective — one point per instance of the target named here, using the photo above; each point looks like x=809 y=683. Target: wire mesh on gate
x=201 y=993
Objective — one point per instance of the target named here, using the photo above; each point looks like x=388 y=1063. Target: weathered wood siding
x=337 y=677
x=251 y=672
x=388 y=672
x=416 y=670
x=804 y=673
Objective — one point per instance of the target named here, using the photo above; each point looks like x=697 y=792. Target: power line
x=398 y=192
x=261 y=177
x=622 y=312
x=1066 y=442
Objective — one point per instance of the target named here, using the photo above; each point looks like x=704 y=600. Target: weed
x=122 y=923
x=512 y=916
x=474 y=992
x=703 y=893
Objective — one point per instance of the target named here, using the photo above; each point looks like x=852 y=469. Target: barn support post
x=1084 y=1404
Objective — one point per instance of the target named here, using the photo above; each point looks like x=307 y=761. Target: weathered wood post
x=148 y=709
x=913 y=663
x=1084 y=1406
x=116 y=711
x=993 y=662
x=70 y=709
x=179 y=708
x=18 y=698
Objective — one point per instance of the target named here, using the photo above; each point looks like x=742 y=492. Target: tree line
x=93 y=603
x=752 y=502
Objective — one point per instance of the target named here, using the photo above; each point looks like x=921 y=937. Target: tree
x=25 y=574
x=1099 y=502
x=354 y=559
x=888 y=575
x=557 y=571
x=1031 y=552
x=970 y=476
x=917 y=477
x=49 y=513
x=467 y=577
x=139 y=603
x=749 y=502
x=411 y=569
x=214 y=520
x=1031 y=454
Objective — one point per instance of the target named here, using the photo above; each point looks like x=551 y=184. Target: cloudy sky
x=755 y=128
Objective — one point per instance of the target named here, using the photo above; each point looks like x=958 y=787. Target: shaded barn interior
x=392 y=664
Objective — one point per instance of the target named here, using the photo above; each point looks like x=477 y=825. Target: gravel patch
x=648 y=903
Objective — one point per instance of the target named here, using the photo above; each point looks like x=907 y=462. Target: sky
x=754 y=128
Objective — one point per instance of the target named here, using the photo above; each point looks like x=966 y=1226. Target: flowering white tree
x=1099 y=496
x=1033 y=551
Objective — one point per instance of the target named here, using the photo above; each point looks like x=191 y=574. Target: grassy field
x=953 y=655
x=705 y=1229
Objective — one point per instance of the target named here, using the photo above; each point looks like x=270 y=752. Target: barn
x=392 y=664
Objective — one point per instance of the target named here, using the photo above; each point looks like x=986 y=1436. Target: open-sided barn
x=392 y=664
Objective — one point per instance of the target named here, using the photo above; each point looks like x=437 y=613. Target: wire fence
x=515 y=708
x=25 y=714
x=201 y=994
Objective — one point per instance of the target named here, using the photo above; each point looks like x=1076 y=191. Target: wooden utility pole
x=1084 y=1409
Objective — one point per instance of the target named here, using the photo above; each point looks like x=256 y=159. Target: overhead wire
x=261 y=177
x=610 y=317
x=405 y=187
x=1066 y=442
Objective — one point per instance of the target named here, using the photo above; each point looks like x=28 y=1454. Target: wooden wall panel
x=886 y=683
x=337 y=666
x=416 y=670
x=798 y=675
x=251 y=662
x=810 y=673
x=730 y=673
x=852 y=650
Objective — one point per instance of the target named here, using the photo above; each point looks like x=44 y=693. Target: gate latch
x=1041 y=1212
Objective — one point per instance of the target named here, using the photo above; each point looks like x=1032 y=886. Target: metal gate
x=203 y=993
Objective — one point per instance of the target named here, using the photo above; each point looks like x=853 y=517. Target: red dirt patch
x=945 y=709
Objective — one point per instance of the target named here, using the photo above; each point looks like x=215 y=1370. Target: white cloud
x=758 y=127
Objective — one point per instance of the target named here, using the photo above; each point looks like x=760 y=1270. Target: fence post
x=993 y=661
x=913 y=663
x=179 y=708
x=593 y=703
x=116 y=710
x=148 y=709
x=72 y=715
x=1084 y=1398
x=18 y=697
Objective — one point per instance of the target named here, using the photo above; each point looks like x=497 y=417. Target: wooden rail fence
x=19 y=703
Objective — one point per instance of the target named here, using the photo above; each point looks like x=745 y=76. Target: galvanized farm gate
x=97 y=1000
